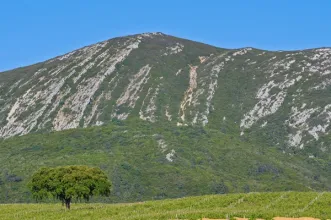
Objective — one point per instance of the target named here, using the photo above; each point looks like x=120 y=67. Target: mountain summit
x=284 y=97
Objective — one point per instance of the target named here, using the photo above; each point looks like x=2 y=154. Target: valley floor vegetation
x=148 y=162
x=250 y=205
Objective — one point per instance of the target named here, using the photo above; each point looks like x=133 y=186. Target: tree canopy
x=69 y=182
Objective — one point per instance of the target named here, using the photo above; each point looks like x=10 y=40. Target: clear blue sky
x=36 y=30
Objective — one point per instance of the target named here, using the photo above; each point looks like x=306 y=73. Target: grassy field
x=251 y=205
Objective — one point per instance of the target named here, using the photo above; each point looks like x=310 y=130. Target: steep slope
x=161 y=78
x=90 y=86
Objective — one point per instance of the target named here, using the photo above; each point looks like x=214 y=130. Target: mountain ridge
x=163 y=33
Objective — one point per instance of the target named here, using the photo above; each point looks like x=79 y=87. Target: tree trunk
x=67 y=201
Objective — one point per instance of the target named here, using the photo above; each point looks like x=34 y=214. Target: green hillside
x=252 y=205
x=151 y=161
x=166 y=117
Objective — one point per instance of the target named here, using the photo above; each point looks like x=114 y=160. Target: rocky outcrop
x=157 y=77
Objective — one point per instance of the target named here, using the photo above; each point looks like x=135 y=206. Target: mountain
x=161 y=78
x=239 y=119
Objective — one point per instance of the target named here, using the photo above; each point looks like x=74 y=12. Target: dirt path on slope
x=275 y=218
x=301 y=218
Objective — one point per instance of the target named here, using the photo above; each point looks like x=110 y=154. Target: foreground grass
x=252 y=205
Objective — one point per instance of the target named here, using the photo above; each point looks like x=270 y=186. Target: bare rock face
x=156 y=77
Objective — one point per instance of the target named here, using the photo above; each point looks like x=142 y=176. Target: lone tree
x=69 y=182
